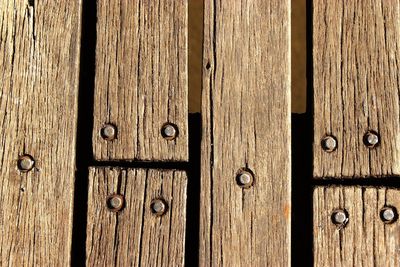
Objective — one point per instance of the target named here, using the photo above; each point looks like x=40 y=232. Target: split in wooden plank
x=356 y=88
x=245 y=187
x=356 y=226
x=40 y=50
x=141 y=81
x=136 y=217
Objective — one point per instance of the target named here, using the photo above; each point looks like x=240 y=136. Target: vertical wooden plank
x=141 y=79
x=365 y=240
x=134 y=236
x=356 y=86
x=246 y=122
x=39 y=55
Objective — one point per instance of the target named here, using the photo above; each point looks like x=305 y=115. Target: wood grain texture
x=356 y=86
x=39 y=55
x=365 y=240
x=141 y=79
x=246 y=122
x=134 y=236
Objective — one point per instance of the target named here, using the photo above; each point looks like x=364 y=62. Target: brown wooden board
x=134 y=236
x=246 y=125
x=141 y=79
x=40 y=50
x=356 y=49
x=365 y=240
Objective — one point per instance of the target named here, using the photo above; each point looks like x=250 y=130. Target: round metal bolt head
x=371 y=139
x=169 y=131
x=329 y=143
x=340 y=217
x=389 y=214
x=115 y=202
x=26 y=163
x=245 y=179
x=108 y=132
x=158 y=207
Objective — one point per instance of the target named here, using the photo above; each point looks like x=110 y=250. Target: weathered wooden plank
x=135 y=236
x=39 y=55
x=356 y=86
x=246 y=122
x=365 y=240
x=141 y=79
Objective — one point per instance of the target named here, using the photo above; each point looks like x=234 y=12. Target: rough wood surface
x=141 y=79
x=39 y=55
x=365 y=240
x=356 y=86
x=134 y=236
x=246 y=122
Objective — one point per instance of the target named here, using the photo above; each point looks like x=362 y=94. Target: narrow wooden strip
x=134 y=236
x=141 y=79
x=246 y=122
x=39 y=55
x=365 y=240
x=356 y=86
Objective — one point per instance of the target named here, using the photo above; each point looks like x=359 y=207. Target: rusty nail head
x=115 y=202
x=169 y=131
x=340 y=217
x=329 y=143
x=371 y=139
x=26 y=163
x=389 y=214
x=108 y=132
x=245 y=179
x=158 y=207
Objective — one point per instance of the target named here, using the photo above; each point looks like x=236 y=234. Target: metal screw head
x=340 y=217
x=245 y=179
x=115 y=202
x=169 y=131
x=26 y=163
x=108 y=132
x=158 y=207
x=329 y=143
x=371 y=139
x=388 y=214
